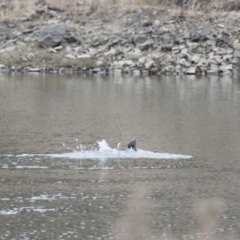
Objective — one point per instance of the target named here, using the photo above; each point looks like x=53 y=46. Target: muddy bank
x=150 y=41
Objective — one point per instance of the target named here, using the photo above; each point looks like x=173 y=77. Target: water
x=62 y=176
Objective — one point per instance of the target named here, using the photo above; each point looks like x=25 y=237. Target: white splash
x=27 y=209
x=105 y=152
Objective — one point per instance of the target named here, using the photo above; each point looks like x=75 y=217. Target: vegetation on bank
x=20 y=8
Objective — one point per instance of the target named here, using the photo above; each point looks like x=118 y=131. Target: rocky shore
x=150 y=41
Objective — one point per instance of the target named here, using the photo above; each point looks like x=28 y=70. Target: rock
x=99 y=63
x=221 y=25
x=7 y=49
x=3 y=28
x=125 y=63
x=51 y=50
x=225 y=68
x=214 y=68
x=235 y=61
x=158 y=56
x=70 y=56
x=136 y=72
x=142 y=60
x=138 y=39
x=27 y=31
x=227 y=57
x=33 y=69
x=191 y=70
x=226 y=73
x=58 y=48
x=149 y=64
x=184 y=63
x=221 y=42
x=197 y=37
x=195 y=58
x=72 y=38
x=30 y=56
x=176 y=49
x=41 y=10
x=211 y=72
x=98 y=41
x=147 y=24
x=132 y=55
x=51 y=35
x=156 y=23
x=236 y=54
x=146 y=45
x=184 y=51
x=111 y=52
x=84 y=56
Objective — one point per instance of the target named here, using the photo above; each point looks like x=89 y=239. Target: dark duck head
x=133 y=145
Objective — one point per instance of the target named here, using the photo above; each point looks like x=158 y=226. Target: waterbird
x=131 y=145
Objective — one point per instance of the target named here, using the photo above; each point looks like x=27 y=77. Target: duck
x=131 y=145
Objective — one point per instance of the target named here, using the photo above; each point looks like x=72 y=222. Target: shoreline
x=151 y=41
x=106 y=72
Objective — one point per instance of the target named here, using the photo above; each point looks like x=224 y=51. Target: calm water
x=54 y=185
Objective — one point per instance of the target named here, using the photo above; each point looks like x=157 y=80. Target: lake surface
x=63 y=178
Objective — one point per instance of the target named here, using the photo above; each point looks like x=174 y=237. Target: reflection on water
x=56 y=183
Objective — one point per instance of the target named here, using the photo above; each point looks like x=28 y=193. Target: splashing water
x=104 y=152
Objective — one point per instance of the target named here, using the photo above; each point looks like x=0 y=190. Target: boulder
x=149 y=64
x=51 y=35
x=70 y=56
x=84 y=56
x=132 y=55
x=191 y=70
x=225 y=68
x=184 y=63
x=146 y=45
x=236 y=54
x=138 y=39
x=214 y=67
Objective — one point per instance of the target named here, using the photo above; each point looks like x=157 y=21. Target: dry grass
x=21 y=8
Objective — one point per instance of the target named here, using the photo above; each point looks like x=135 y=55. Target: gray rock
x=51 y=35
x=142 y=60
x=227 y=57
x=125 y=63
x=225 y=68
x=214 y=67
x=58 y=48
x=33 y=69
x=111 y=52
x=99 y=63
x=147 y=24
x=136 y=72
x=98 y=41
x=149 y=64
x=132 y=55
x=146 y=45
x=27 y=31
x=236 y=54
x=7 y=49
x=184 y=62
x=191 y=70
x=84 y=56
x=30 y=56
x=138 y=39
x=70 y=56
x=72 y=38
x=226 y=73
x=211 y=72
x=184 y=51
x=196 y=58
